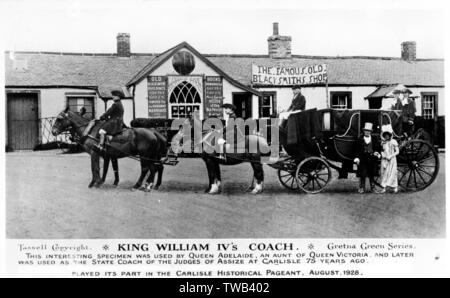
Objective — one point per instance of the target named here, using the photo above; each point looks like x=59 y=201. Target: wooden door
x=22 y=117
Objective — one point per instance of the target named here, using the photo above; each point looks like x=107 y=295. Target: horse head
x=62 y=122
x=67 y=120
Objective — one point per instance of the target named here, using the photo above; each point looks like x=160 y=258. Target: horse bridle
x=71 y=128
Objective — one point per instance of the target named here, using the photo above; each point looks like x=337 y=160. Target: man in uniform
x=113 y=117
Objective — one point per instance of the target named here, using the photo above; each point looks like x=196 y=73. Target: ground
x=47 y=197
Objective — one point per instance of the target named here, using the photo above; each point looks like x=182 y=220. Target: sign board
x=289 y=75
x=213 y=97
x=157 y=97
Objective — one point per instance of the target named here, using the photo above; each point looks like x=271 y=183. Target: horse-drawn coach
x=320 y=140
x=313 y=141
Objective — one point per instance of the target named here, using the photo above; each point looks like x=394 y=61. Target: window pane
x=266 y=111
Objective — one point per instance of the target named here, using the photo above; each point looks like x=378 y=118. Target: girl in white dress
x=388 y=159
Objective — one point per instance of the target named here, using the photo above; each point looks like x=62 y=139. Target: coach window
x=76 y=102
x=267 y=104
x=184 y=100
x=429 y=105
x=341 y=100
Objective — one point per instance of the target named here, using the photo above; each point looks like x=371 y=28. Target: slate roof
x=344 y=70
x=107 y=71
x=95 y=71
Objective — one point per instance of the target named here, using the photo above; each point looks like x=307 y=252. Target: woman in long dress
x=388 y=159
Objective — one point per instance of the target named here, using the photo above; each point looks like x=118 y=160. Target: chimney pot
x=409 y=50
x=275 y=28
x=123 y=45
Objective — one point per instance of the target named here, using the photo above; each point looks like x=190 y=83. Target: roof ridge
x=220 y=55
x=319 y=57
x=77 y=53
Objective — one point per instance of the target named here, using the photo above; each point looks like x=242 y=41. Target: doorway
x=243 y=103
x=22 y=115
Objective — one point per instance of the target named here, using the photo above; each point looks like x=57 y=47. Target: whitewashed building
x=182 y=79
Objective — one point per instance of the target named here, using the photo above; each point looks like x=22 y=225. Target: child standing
x=388 y=159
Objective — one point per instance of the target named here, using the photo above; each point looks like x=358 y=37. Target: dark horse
x=149 y=145
x=213 y=162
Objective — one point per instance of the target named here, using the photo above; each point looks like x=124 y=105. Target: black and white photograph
x=150 y=119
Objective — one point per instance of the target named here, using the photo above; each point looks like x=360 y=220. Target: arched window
x=183 y=100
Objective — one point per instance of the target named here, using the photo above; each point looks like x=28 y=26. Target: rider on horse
x=113 y=117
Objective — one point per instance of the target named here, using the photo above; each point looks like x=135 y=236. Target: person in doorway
x=367 y=158
x=113 y=118
x=229 y=110
x=388 y=159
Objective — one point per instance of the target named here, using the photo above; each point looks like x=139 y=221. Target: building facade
x=181 y=80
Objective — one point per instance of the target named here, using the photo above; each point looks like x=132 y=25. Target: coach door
x=23 y=129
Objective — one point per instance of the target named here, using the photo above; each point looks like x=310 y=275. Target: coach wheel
x=417 y=165
x=286 y=175
x=313 y=174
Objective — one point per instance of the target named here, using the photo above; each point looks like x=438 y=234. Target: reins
x=72 y=129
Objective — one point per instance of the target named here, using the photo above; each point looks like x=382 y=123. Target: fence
x=47 y=138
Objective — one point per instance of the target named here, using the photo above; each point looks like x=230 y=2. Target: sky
x=345 y=28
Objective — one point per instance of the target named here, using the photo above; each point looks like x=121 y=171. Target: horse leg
x=215 y=185
x=151 y=177
x=144 y=170
x=95 y=169
x=251 y=186
x=210 y=173
x=218 y=175
x=160 y=168
x=115 y=166
x=105 y=168
x=258 y=176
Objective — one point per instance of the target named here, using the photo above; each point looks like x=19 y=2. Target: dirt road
x=47 y=197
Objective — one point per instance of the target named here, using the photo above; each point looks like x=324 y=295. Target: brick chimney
x=409 y=50
x=279 y=46
x=123 y=45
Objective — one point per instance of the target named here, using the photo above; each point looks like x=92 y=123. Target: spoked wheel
x=313 y=174
x=417 y=165
x=286 y=174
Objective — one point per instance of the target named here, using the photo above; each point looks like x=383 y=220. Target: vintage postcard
x=221 y=139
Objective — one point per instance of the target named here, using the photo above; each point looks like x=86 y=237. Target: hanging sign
x=289 y=75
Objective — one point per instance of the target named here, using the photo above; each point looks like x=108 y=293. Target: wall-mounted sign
x=213 y=97
x=289 y=75
x=157 y=97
